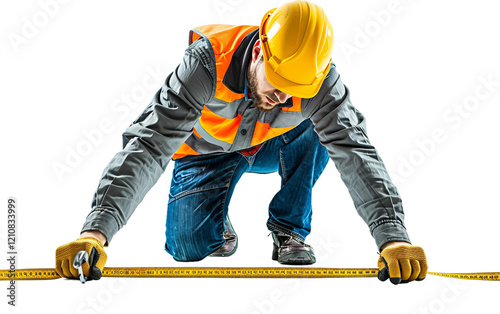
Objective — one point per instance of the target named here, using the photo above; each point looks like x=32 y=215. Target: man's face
x=264 y=96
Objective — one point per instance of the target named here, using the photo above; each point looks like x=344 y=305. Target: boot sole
x=293 y=258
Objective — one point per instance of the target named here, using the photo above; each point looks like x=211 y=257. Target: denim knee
x=188 y=247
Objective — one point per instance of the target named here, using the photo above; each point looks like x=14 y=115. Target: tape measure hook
x=80 y=258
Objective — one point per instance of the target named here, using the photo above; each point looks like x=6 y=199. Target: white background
x=416 y=69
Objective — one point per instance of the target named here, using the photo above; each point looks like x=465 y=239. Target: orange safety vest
x=224 y=40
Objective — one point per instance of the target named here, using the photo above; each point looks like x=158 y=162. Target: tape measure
x=231 y=272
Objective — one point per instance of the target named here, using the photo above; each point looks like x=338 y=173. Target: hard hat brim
x=292 y=88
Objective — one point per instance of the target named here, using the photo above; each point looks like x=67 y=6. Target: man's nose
x=282 y=97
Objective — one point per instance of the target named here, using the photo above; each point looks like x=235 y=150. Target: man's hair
x=261 y=58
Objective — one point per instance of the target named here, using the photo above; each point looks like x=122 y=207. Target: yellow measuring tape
x=230 y=272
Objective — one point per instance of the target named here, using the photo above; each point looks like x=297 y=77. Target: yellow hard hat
x=297 y=43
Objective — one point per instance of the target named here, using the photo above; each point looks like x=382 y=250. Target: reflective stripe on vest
x=218 y=124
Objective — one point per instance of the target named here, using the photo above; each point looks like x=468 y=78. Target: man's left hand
x=402 y=263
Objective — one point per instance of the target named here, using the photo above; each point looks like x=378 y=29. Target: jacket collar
x=235 y=77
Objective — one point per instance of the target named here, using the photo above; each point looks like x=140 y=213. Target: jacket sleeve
x=149 y=143
x=341 y=129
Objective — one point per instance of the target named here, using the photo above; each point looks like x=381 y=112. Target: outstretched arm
x=341 y=129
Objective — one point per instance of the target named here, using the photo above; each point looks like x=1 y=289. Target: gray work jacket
x=168 y=121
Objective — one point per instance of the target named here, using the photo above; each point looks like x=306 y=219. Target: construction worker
x=249 y=99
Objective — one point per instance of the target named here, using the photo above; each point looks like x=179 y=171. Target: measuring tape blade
x=239 y=272
x=230 y=272
x=29 y=274
x=200 y=272
x=491 y=276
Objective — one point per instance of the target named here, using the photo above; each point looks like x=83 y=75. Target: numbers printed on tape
x=233 y=272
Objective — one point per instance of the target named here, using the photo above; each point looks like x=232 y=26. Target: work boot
x=231 y=244
x=291 y=251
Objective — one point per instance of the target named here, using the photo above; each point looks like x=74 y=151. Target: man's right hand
x=92 y=269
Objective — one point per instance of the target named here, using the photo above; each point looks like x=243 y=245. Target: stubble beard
x=257 y=99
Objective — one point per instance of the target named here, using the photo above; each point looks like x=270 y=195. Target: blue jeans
x=202 y=187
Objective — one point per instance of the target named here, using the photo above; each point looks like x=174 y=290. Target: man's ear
x=256 y=51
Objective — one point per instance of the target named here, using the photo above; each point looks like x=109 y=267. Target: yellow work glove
x=402 y=263
x=92 y=268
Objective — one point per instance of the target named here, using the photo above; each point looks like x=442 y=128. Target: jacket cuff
x=388 y=231
x=102 y=220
